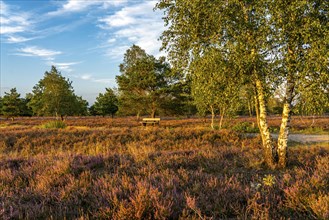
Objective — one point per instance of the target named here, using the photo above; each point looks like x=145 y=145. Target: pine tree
x=12 y=104
x=143 y=81
x=54 y=96
x=106 y=104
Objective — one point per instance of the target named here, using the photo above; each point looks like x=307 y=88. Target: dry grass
x=102 y=168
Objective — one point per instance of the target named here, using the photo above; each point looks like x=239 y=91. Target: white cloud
x=11 y=29
x=116 y=52
x=119 y=19
x=13 y=21
x=73 y=6
x=138 y=24
x=86 y=77
x=104 y=81
x=131 y=15
x=17 y=39
x=64 y=66
x=109 y=3
x=3 y=8
x=91 y=78
x=3 y=20
x=111 y=40
x=38 y=52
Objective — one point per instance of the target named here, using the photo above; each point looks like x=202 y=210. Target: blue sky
x=84 y=39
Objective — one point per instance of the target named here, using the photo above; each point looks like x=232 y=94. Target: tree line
x=150 y=86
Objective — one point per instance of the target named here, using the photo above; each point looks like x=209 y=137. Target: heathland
x=104 y=168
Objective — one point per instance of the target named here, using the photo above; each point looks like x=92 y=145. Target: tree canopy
x=106 y=104
x=143 y=81
x=54 y=96
x=11 y=104
x=214 y=87
x=269 y=43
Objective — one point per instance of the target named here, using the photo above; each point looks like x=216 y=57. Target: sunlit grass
x=57 y=124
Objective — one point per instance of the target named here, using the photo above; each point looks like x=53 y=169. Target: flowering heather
x=102 y=168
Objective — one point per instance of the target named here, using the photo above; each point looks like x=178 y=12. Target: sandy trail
x=306 y=138
x=301 y=138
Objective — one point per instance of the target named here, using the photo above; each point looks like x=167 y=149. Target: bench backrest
x=151 y=119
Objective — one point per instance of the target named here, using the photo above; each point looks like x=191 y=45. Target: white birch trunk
x=285 y=125
x=263 y=126
x=221 y=119
x=212 y=117
x=257 y=110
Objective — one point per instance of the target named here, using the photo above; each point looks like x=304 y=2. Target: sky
x=85 y=39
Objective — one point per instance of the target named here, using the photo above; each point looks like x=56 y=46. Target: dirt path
x=302 y=138
x=306 y=138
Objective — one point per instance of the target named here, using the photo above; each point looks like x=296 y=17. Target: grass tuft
x=54 y=125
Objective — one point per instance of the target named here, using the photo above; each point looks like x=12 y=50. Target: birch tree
x=269 y=42
x=302 y=32
x=214 y=87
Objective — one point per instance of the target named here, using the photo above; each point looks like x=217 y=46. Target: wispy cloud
x=104 y=81
x=116 y=52
x=74 y=6
x=18 y=39
x=67 y=67
x=137 y=24
x=3 y=8
x=91 y=78
x=13 y=21
x=15 y=24
x=34 y=51
x=86 y=77
x=18 y=26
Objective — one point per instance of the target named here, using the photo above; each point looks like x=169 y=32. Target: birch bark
x=212 y=117
x=263 y=126
x=285 y=125
x=221 y=118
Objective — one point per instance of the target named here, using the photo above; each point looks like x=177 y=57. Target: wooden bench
x=151 y=121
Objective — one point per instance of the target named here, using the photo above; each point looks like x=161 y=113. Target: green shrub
x=245 y=127
x=54 y=124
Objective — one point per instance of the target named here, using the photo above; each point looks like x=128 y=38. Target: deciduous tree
x=269 y=43
x=302 y=31
x=214 y=87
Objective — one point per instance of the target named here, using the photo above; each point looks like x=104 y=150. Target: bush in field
x=246 y=127
x=54 y=124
